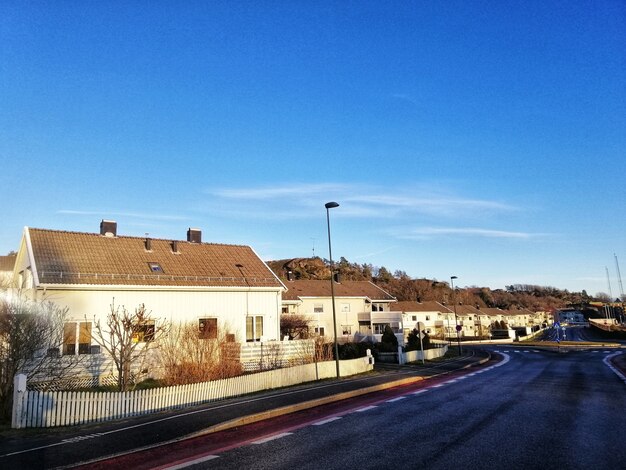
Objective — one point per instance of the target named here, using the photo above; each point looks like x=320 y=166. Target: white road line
x=436 y=386
x=327 y=420
x=366 y=408
x=607 y=361
x=272 y=438
x=417 y=392
x=393 y=400
x=192 y=462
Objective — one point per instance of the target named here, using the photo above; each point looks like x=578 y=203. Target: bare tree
x=127 y=337
x=30 y=335
x=295 y=326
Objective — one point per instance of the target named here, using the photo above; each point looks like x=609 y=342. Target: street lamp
x=456 y=321
x=332 y=205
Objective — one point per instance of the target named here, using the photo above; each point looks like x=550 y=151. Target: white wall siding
x=230 y=307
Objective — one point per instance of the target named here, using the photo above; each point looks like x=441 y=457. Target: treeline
x=403 y=287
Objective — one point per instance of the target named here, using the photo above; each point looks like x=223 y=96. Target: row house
x=362 y=309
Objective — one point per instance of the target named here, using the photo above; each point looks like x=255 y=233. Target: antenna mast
x=619 y=279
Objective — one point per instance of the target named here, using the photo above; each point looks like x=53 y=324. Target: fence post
x=19 y=389
x=400 y=356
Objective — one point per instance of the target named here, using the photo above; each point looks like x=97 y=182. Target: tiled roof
x=7 y=262
x=315 y=288
x=87 y=258
x=413 y=306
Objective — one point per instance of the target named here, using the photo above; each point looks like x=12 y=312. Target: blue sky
x=481 y=139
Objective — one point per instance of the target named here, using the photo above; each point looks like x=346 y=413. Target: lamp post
x=456 y=321
x=331 y=205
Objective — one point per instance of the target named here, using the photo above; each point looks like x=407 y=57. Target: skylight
x=155 y=267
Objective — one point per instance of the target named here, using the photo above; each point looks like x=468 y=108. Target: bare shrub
x=190 y=357
x=324 y=350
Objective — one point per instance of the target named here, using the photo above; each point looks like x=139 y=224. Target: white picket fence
x=47 y=409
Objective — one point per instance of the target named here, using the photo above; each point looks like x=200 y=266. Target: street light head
x=453 y=277
x=330 y=205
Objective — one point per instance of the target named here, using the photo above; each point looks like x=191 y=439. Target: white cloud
x=356 y=201
x=431 y=232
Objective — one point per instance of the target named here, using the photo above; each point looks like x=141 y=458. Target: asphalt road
x=70 y=446
x=537 y=409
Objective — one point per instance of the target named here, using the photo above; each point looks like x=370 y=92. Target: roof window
x=155 y=267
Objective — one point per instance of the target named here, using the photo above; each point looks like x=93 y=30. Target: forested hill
x=403 y=287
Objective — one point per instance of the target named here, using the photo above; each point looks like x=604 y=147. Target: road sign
x=421 y=327
x=459 y=328
x=557 y=324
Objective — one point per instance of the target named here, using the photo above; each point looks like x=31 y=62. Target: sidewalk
x=54 y=447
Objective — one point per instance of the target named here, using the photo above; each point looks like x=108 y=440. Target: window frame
x=208 y=328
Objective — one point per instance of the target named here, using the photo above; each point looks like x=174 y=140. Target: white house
x=435 y=317
x=221 y=288
x=362 y=309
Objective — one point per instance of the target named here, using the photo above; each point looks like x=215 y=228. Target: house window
x=155 y=267
x=379 y=328
x=427 y=317
x=345 y=308
x=143 y=333
x=318 y=308
x=254 y=328
x=414 y=318
x=76 y=338
x=207 y=328
x=346 y=329
x=319 y=330
x=378 y=307
x=284 y=310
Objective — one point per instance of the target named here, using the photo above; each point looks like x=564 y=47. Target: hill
x=403 y=287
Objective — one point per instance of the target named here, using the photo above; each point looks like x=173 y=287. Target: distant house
x=438 y=319
x=362 y=309
x=7 y=263
x=221 y=288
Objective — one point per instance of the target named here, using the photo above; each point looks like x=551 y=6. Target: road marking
x=81 y=438
x=192 y=462
x=417 y=392
x=436 y=386
x=607 y=361
x=272 y=438
x=326 y=421
x=449 y=382
x=366 y=408
x=393 y=400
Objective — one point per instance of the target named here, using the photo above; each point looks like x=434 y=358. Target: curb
x=284 y=410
